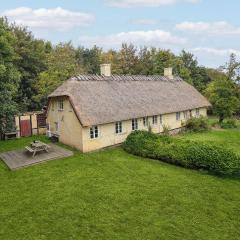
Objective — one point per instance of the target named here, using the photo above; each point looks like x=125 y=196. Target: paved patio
x=21 y=158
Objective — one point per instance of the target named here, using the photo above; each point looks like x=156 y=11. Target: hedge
x=189 y=154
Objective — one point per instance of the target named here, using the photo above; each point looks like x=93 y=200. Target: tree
x=30 y=62
x=232 y=68
x=9 y=77
x=221 y=93
x=145 y=63
x=128 y=59
x=163 y=59
x=112 y=57
x=89 y=59
x=191 y=72
x=61 y=65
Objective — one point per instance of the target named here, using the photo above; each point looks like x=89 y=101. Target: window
x=94 y=133
x=41 y=120
x=52 y=106
x=178 y=116
x=134 y=124
x=145 y=121
x=197 y=112
x=60 y=105
x=161 y=119
x=118 y=127
x=154 y=119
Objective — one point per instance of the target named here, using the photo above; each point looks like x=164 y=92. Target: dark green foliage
x=222 y=94
x=189 y=154
x=9 y=78
x=229 y=123
x=197 y=124
x=30 y=62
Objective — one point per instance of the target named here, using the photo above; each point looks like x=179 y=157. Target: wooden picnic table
x=37 y=146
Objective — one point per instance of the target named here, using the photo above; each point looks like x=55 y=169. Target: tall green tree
x=232 y=68
x=163 y=59
x=128 y=59
x=30 y=62
x=222 y=94
x=61 y=65
x=9 y=78
x=192 y=72
x=89 y=59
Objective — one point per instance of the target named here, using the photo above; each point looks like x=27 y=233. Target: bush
x=197 y=124
x=189 y=154
x=229 y=123
x=166 y=130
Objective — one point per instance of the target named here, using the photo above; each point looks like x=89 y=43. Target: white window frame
x=60 y=105
x=154 y=120
x=145 y=121
x=94 y=132
x=118 y=127
x=134 y=124
x=178 y=116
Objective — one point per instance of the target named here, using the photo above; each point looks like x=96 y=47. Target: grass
x=114 y=195
x=226 y=137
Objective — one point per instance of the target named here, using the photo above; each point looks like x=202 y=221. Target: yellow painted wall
x=69 y=128
x=108 y=137
x=72 y=133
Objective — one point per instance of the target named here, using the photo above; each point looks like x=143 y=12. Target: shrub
x=166 y=130
x=229 y=123
x=189 y=154
x=197 y=124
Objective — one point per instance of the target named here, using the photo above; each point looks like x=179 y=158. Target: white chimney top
x=105 y=70
x=168 y=72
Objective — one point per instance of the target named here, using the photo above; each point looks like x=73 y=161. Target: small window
x=94 y=133
x=134 y=124
x=154 y=119
x=145 y=121
x=118 y=127
x=52 y=106
x=161 y=121
x=197 y=112
x=60 y=105
x=178 y=116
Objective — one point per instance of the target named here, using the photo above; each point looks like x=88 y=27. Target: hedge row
x=189 y=154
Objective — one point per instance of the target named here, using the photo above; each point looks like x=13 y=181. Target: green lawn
x=114 y=195
x=226 y=137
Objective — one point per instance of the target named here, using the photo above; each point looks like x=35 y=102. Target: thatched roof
x=98 y=99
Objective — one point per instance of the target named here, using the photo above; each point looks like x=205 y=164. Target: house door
x=25 y=126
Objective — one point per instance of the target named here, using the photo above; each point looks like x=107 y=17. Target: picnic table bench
x=36 y=147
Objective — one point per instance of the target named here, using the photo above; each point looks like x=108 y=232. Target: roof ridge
x=128 y=77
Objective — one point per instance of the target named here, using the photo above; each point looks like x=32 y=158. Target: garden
x=111 y=194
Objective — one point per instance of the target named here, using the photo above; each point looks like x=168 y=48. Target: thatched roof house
x=98 y=100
